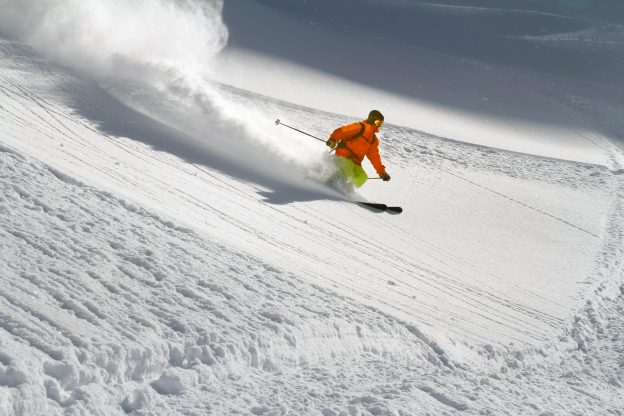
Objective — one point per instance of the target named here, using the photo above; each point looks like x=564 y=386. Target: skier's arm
x=373 y=156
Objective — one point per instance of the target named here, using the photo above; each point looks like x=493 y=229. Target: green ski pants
x=354 y=173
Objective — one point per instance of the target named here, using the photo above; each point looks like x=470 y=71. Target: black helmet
x=375 y=115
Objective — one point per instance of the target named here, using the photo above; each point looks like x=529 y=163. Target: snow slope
x=152 y=267
x=109 y=309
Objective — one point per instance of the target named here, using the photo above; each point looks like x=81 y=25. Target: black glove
x=385 y=177
x=331 y=143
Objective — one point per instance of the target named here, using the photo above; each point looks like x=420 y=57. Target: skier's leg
x=339 y=174
x=359 y=177
x=352 y=172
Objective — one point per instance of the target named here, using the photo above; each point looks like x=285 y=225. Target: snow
x=416 y=65
x=117 y=310
x=167 y=249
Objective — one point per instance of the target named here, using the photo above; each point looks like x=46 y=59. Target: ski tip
x=394 y=210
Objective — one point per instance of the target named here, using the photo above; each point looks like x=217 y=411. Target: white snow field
x=166 y=249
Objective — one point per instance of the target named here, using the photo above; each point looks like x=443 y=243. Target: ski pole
x=278 y=122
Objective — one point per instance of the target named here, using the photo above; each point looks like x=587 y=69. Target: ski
x=381 y=207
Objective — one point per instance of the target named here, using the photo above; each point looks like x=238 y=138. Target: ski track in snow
x=500 y=316
x=108 y=308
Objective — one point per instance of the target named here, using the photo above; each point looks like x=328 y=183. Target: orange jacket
x=355 y=148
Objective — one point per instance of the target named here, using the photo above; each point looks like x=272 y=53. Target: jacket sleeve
x=345 y=132
x=375 y=159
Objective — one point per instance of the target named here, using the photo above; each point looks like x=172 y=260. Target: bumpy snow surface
x=151 y=267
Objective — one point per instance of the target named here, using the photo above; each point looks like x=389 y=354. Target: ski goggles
x=378 y=123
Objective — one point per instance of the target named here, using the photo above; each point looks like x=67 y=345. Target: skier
x=354 y=141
